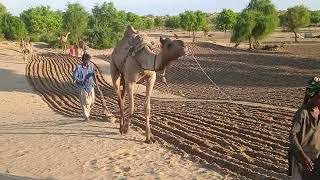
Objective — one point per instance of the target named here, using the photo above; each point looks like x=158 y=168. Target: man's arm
x=298 y=121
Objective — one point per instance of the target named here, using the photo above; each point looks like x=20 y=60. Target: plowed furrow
x=221 y=134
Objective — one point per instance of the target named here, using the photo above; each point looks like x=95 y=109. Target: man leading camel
x=84 y=76
x=304 y=160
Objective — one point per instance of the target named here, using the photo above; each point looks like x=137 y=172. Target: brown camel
x=27 y=50
x=22 y=44
x=63 y=41
x=130 y=66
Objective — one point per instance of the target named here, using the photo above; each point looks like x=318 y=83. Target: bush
x=12 y=27
x=173 y=22
x=106 y=26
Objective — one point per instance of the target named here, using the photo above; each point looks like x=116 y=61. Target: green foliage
x=75 y=21
x=148 y=23
x=244 y=26
x=106 y=26
x=42 y=20
x=256 y=21
x=3 y=11
x=12 y=27
x=263 y=6
x=52 y=39
x=193 y=21
x=158 y=22
x=225 y=20
x=173 y=22
x=315 y=17
x=296 y=17
x=135 y=21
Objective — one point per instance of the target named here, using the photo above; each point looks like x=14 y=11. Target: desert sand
x=38 y=143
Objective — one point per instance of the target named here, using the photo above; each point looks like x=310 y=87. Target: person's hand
x=308 y=164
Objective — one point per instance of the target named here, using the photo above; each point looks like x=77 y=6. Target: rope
x=104 y=104
x=218 y=88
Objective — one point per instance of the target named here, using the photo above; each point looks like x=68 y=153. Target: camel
x=63 y=42
x=134 y=63
x=83 y=47
x=27 y=50
x=22 y=44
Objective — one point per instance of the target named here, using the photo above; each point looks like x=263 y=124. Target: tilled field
x=245 y=142
x=264 y=77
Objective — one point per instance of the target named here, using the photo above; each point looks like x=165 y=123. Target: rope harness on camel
x=137 y=42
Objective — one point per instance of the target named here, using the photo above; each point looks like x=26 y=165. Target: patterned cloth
x=85 y=77
x=85 y=80
x=313 y=86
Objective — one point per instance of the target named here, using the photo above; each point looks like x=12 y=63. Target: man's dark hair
x=86 y=57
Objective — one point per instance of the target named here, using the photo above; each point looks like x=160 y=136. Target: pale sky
x=156 y=7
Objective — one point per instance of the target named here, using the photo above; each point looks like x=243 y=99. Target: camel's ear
x=162 y=41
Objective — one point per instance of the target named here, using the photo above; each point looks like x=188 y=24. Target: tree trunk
x=236 y=46
x=295 y=36
x=225 y=32
x=194 y=36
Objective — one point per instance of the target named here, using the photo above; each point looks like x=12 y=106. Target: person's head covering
x=312 y=89
x=86 y=57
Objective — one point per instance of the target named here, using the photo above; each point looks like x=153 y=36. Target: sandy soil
x=242 y=139
x=38 y=143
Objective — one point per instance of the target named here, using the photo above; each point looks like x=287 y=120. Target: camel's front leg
x=129 y=88
x=149 y=87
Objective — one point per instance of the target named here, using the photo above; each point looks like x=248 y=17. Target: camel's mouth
x=183 y=53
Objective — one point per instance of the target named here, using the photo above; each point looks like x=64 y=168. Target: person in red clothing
x=72 y=50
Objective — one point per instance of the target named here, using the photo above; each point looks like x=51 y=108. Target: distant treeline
x=103 y=27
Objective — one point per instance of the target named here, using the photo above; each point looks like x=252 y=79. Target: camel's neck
x=151 y=61
x=65 y=38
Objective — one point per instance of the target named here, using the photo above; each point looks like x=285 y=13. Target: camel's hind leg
x=116 y=80
x=149 y=87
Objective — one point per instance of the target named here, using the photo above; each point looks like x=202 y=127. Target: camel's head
x=172 y=49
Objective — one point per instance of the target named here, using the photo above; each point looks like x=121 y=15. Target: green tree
x=75 y=21
x=149 y=23
x=13 y=27
x=262 y=19
x=135 y=20
x=225 y=20
x=315 y=17
x=173 y=22
x=3 y=11
x=42 y=20
x=243 y=28
x=106 y=26
x=193 y=21
x=158 y=22
x=297 y=17
x=283 y=20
